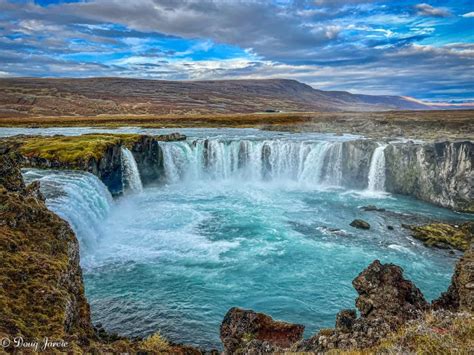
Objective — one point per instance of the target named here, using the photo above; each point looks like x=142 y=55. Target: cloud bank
x=377 y=47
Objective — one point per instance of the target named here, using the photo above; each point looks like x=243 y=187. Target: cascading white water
x=130 y=173
x=376 y=175
x=308 y=162
x=78 y=197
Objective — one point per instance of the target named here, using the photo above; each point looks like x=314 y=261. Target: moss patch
x=435 y=333
x=71 y=149
x=443 y=235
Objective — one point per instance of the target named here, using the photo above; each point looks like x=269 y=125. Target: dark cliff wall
x=440 y=173
x=356 y=157
x=149 y=158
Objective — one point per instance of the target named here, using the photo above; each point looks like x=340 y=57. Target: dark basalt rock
x=359 y=223
x=243 y=331
x=384 y=293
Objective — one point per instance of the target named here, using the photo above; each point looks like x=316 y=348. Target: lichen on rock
x=443 y=235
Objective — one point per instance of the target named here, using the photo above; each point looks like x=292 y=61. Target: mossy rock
x=441 y=235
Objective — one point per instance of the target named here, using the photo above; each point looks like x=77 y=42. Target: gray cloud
x=322 y=43
x=428 y=10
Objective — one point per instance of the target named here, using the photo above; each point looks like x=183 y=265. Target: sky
x=420 y=49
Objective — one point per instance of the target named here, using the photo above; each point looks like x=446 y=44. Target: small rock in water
x=390 y=228
x=371 y=208
x=359 y=223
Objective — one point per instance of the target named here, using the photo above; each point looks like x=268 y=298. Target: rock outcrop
x=460 y=294
x=386 y=301
x=440 y=173
x=385 y=294
x=244 y=331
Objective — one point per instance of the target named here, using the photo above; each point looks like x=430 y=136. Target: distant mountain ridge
x=94 y=96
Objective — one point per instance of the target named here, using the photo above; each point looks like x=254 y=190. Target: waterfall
x=333 y=164
x=376 y=175
x=310 y=162
x=130 y=173
x=78 y=197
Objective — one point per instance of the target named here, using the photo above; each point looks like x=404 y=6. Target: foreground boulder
x=384 y=293
x=246 y=331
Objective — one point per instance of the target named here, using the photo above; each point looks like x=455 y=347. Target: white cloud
x=469 y=14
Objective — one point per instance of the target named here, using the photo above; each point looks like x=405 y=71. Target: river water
x=243 y=218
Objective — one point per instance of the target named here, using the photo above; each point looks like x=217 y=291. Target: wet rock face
x=460 y=294
x=440 y=173
x=384 y=293
x=245 y=330
x=345 y=320
x=149 y=158
x=356 y=157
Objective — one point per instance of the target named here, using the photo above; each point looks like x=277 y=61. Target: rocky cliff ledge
x=394 y=318
x=440 y=173
x=41 y=286
x=99 y=154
